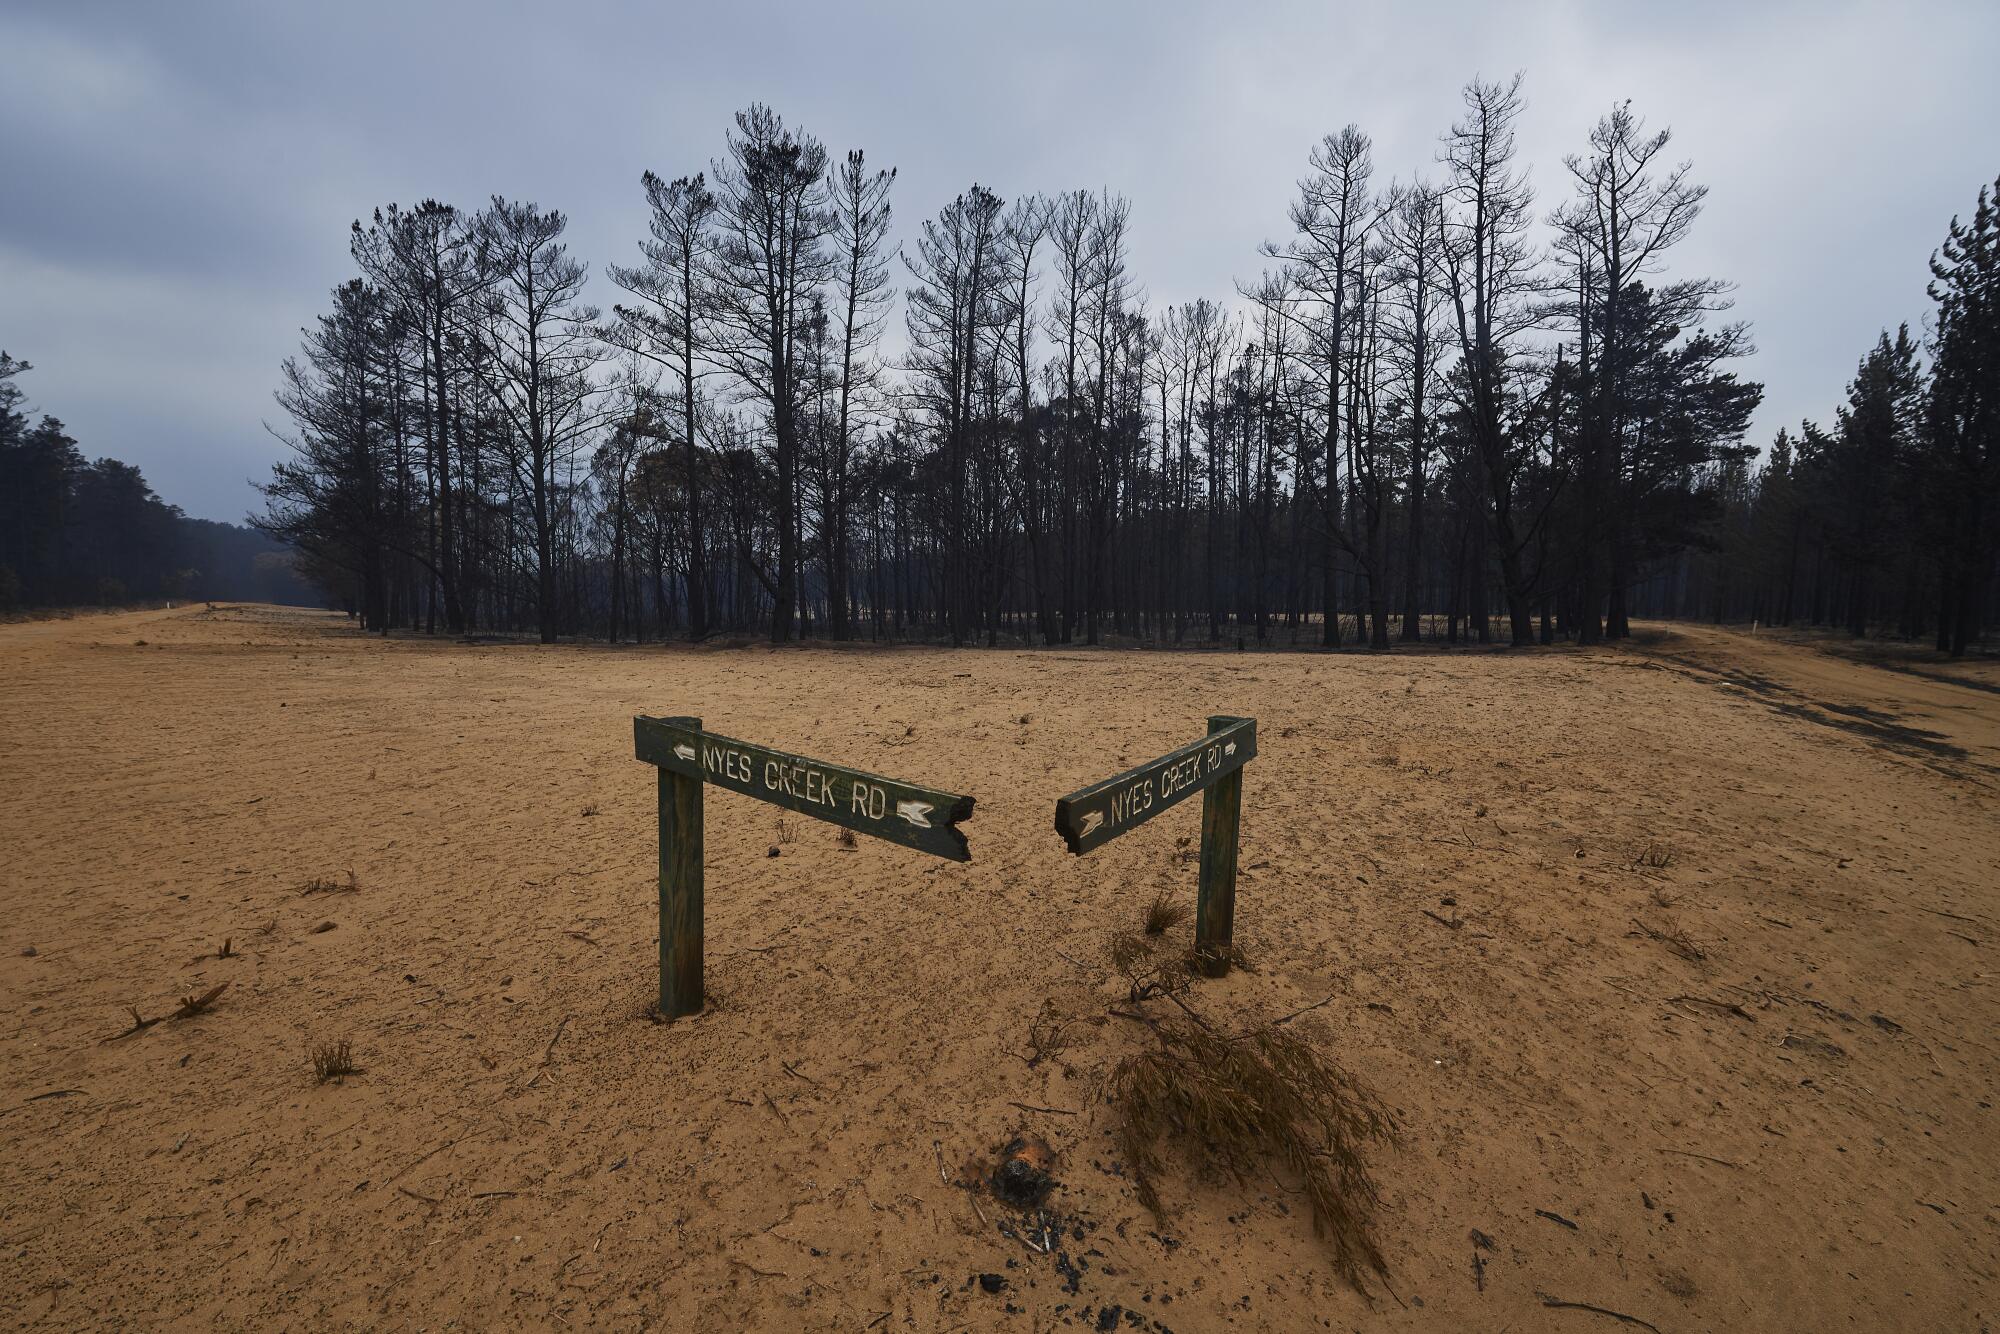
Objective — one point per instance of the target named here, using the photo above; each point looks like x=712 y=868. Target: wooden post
x=1215 y=905
x=680 y=891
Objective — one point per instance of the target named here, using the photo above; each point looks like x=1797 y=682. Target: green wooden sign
x=1091 y=817
x=923 y=818
x=688 y=758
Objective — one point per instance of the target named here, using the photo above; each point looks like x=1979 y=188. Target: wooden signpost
x=1213 y=766
x=687 y=757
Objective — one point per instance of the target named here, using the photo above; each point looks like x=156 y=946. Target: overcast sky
x=176 y=180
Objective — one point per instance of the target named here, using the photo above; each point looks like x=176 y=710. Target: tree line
x=1443 y=409
x=1881 y=522
x=81 y=532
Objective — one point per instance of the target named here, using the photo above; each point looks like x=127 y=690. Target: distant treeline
x=1439 y=405
x=81 y=533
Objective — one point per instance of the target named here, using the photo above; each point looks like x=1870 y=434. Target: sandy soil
x=1793 y=1131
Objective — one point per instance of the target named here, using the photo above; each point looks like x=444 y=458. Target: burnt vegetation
x=1443 y=408
x=333 y=1060
x=1232 y=1106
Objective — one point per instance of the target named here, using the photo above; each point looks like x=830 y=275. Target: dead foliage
x=333 y=1060
x=1049 y=1036
x=1165 y=913
x=1148 y=969
x=845 y=840
x=1233 y=1104
x=589 y=810
x=324 y=884
x=193 y=1005
x=1654 y=856
x=785 y=830
x=1671 y=934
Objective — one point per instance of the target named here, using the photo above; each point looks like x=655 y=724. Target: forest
x=1443 y=409
x=77 y=532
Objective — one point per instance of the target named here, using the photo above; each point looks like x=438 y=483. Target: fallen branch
x=1707 y=1158
x=1723 y=1007
x=139 y=1025
x=1304 y=1009
x=1055 y=1111
x=194 y=1005
x=52 y=1093
x=556 y=1037
x=1561 y=1305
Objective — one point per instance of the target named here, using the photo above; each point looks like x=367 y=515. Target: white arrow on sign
x=916 y=812
x=685 y=751
x=1229 y=748
x=1091 y=819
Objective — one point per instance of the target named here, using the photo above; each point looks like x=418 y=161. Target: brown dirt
x=1789 y=1127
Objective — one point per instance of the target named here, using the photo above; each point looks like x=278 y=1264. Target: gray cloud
x=176 y=181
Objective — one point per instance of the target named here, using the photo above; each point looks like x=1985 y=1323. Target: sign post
x=1213 y=766
x=921 y=818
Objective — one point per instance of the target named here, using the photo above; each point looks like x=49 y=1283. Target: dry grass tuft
x=333 y=1060
x=785 y=830
x=1164 y=914
x=1655 y=856
x=1049 y=1036
x=845 y=839
x=326 y=884
x=1148 y=970
x=1671 y=934
x=589 y=810
x=1234 y=1103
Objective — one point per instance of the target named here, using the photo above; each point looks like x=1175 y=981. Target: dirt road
x=1676 y=963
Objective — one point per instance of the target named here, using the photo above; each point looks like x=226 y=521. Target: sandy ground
x=1793 y=1131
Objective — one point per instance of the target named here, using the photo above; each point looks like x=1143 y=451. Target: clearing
x=1675 y=961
